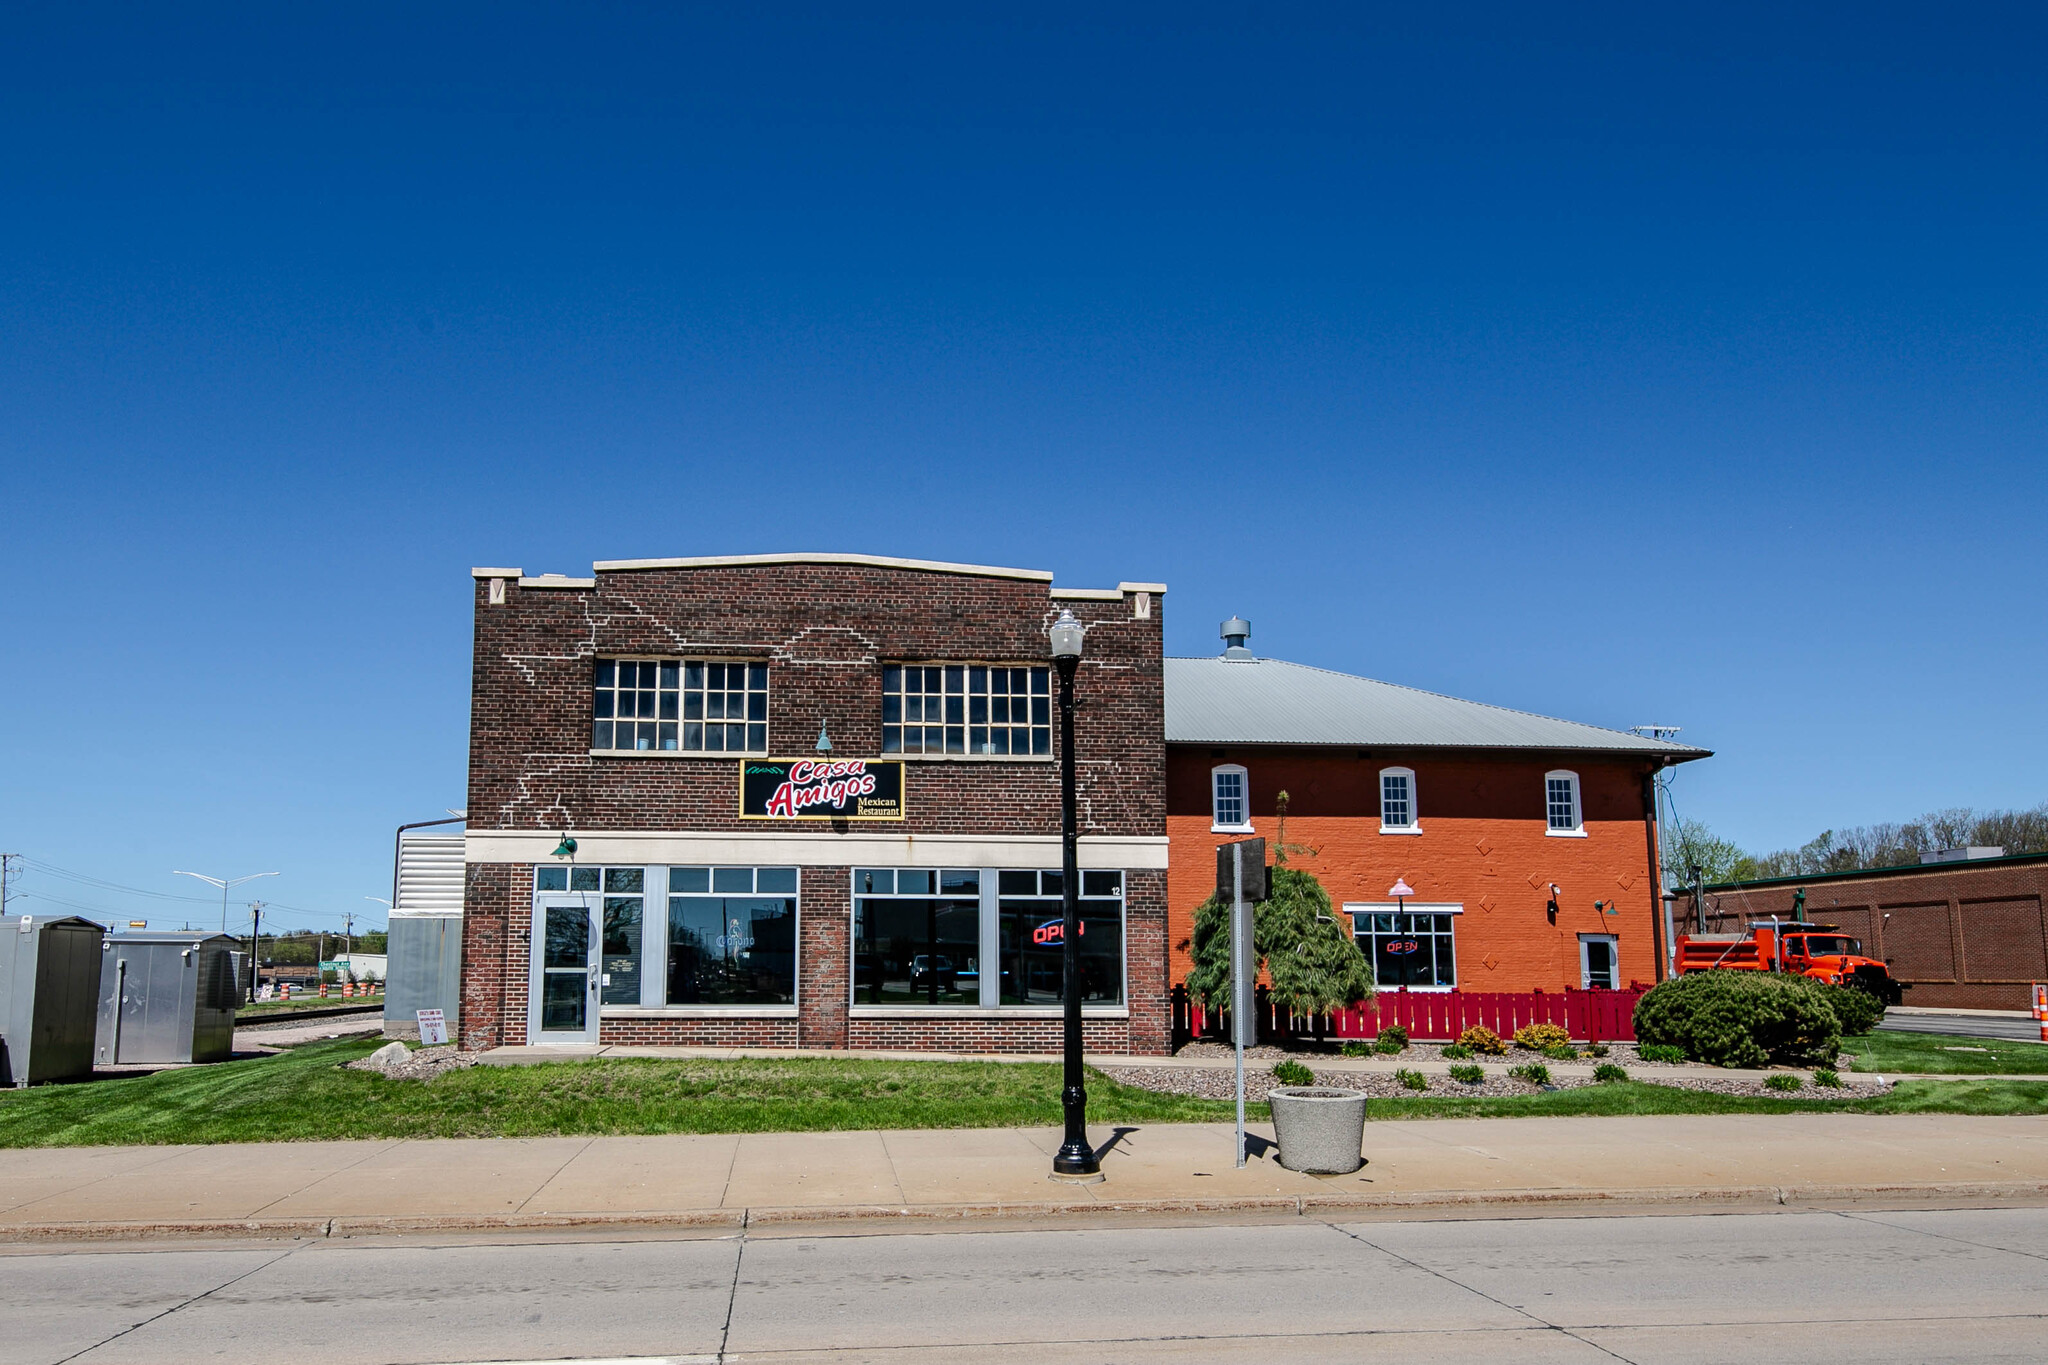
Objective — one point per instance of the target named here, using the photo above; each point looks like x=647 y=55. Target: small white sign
x=433 y=1028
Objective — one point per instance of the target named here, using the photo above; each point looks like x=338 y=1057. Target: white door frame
x=587 y=904
x=1613 y=943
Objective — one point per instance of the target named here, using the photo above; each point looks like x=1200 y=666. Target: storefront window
x=1407 y=948
x=917 y=936
x=731 y=936
x=970 y=937
x=622 y=937
x=1032 y=927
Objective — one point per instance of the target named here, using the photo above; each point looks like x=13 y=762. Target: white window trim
x=1578 y=829
x=654 y=946
x=1053 y=703
x=989 y=1006
x=1586 y=963
x=1410 y=908
x=1215 y=827
x=1414 y=825
x=680 y=660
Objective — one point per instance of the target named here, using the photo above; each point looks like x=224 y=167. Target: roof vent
x=1235 y=632
x=1962 y=855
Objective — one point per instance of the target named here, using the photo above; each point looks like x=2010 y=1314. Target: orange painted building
x=1481 y=811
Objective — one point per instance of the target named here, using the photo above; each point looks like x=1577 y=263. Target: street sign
x=1254 y=856
x=433 y=1028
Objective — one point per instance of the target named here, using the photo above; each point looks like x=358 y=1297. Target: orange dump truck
x=1815 y=950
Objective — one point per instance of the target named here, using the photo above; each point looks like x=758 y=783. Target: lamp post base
x=1093 y=1178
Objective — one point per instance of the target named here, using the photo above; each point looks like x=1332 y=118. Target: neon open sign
x=1400 y=947
x=1055 y=931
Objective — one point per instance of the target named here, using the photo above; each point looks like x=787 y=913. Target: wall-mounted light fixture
x=565 y=849
x=824 y=745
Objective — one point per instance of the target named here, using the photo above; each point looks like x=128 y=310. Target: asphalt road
x=1968 y=1025
x=1795 y=1287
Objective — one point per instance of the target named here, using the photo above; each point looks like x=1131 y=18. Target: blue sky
x=1631 y=366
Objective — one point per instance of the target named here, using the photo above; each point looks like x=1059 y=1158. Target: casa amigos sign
x=819 y=789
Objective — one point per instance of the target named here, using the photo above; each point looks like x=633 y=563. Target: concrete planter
x=1321 y=1132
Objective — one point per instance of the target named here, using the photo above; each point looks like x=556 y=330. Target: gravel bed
x=1219 y=1083
x=423 y=1064
x=1621 y=1054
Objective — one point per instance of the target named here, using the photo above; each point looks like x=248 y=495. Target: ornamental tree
x=1310 y=958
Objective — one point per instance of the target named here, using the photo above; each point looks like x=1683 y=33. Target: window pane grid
x=1397 y=803
x=1563 y=802
x=966 y=709
x=1407 y=949
x=1229 y=798
x=686 y=705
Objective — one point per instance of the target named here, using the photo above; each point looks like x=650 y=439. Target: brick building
x=1480 y=811
x=807 y=800
x=1958 y=935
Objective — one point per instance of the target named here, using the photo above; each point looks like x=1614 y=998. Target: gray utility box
x=424 y=972
x=166 y=997
x=49 y=992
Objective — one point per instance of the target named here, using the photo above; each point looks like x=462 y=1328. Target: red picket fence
x=1592 y=1016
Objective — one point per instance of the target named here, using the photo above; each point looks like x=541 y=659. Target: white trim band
x=813 y=848
x=870 y=561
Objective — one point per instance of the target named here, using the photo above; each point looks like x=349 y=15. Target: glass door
x=564 y=984
x=1599 y=964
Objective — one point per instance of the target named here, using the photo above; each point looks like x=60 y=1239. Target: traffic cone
x=2041 y=1009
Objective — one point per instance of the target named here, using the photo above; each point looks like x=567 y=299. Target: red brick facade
x=1483 y=845
x=825 y=630
x=1969 y=935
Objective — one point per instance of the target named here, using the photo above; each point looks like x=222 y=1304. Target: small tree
x=1308 y=954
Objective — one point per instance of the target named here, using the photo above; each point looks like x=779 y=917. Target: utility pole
x=7 y=862
x=255 y=944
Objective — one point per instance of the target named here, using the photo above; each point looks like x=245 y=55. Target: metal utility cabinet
x=49 y=990
x=166 y=997
x=425 y=966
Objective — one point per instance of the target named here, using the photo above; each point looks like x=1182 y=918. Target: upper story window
x=1561 y=803
x=1397 y=802
x=1230 y=798
x=966 y=709
x=685 y=705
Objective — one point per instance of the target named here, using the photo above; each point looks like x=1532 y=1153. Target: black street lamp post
x=1076 y=1158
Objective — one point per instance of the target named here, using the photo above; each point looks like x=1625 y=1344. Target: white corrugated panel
x=430 y=874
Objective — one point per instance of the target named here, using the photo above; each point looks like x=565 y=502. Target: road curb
x=1479 y=1203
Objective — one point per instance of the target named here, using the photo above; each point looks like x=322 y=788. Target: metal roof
x=1270 y=701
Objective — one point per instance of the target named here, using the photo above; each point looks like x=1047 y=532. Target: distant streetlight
x=223 y=883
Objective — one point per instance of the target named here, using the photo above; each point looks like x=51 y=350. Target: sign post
x=1241 y=875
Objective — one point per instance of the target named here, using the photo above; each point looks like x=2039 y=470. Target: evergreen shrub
x=1357 y=1047
x=1741 y=1018
x=1396 y=1035
x=1858 y=1010
x=1414 y=1080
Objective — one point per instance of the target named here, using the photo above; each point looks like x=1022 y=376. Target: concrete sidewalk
x=1499 y=1166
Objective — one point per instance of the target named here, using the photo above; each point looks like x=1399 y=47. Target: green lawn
x=1890 y=1051
x=305 y=1095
